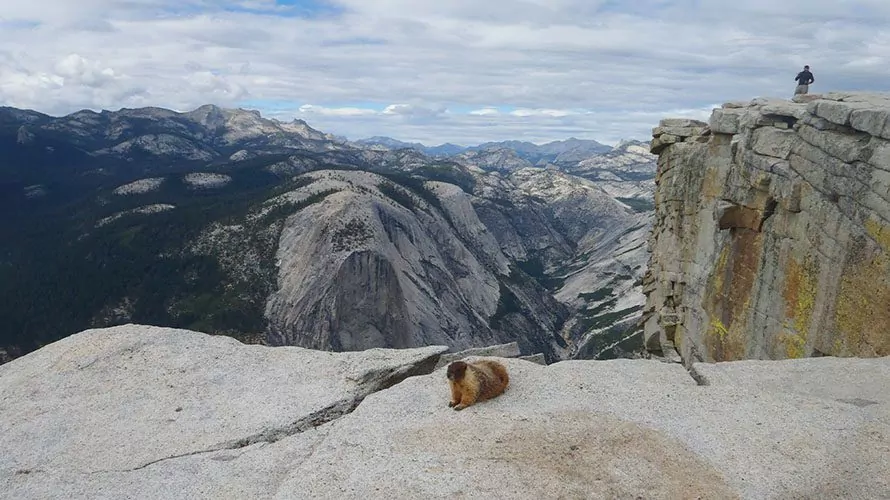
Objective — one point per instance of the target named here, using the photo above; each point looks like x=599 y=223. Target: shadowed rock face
x=371 y=309
x=361 y=270
x=381 y=264
x=145 y=412
x=772 y=231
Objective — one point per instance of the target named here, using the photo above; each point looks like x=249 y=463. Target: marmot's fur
x=476 y=381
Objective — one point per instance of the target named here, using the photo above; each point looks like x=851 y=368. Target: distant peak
x=206 y=110
x=208 y=107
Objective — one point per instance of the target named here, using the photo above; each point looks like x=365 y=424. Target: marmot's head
x=457 y=370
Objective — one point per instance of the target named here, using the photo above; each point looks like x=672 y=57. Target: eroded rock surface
x=815 y=428
x=772 y=231
x=123 y=398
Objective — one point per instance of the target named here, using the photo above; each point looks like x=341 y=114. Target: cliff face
x=772 y=231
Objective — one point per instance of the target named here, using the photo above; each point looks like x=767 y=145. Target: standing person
x=803 y=79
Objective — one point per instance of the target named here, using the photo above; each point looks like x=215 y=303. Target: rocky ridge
x=771 y=237
x=202 y=135
x=625 y=172
x=502 y=159
x=145 y=412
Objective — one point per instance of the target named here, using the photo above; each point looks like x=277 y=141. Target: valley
x=228 y=223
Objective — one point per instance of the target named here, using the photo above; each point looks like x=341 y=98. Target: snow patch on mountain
x=141 y=186
x=204 y=180
x=35 y=191
x=240 y=155
x=144 y=210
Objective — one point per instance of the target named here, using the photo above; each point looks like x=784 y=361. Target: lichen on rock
x=774 y=222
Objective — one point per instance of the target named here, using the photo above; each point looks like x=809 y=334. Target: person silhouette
x=803 y=79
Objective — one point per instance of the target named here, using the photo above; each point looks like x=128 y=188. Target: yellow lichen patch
x=727 y=301
x=719 y=330
x=880 y=232
x=794 y=344
x=799 y=294
x=725 y=344
x=863 y=308
x=716 y=331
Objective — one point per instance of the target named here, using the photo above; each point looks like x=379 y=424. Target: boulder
x=725 y=121
x=872 y=121
x=678 y=131
x=806 y=98
x=509 y=350
x=773 y=142
x=681 y=123
x=871 y=114
x=659 y=143
x=784 y=108
x=834 y=111
x=535 y=358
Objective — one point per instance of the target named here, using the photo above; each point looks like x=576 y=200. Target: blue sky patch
x=293 y=8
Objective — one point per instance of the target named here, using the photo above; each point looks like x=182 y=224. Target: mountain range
x=226 y=222
x=565 y=151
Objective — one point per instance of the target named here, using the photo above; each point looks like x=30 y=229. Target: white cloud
x=413 y=111
x=485 y=112
x=210 y=84
x=309 y=109
x=432 y=70
x=76 y=70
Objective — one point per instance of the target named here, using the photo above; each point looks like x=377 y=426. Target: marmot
x=476 y=381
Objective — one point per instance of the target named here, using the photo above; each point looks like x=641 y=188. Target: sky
x=435 y=71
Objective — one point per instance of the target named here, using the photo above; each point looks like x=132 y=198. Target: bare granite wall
x=772 y=231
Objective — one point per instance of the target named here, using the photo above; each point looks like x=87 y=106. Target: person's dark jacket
x=804 y=78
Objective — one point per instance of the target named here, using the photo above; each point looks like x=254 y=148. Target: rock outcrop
x=374 y=264
x=772 y=231
x=121 y=399
x=142 y=412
